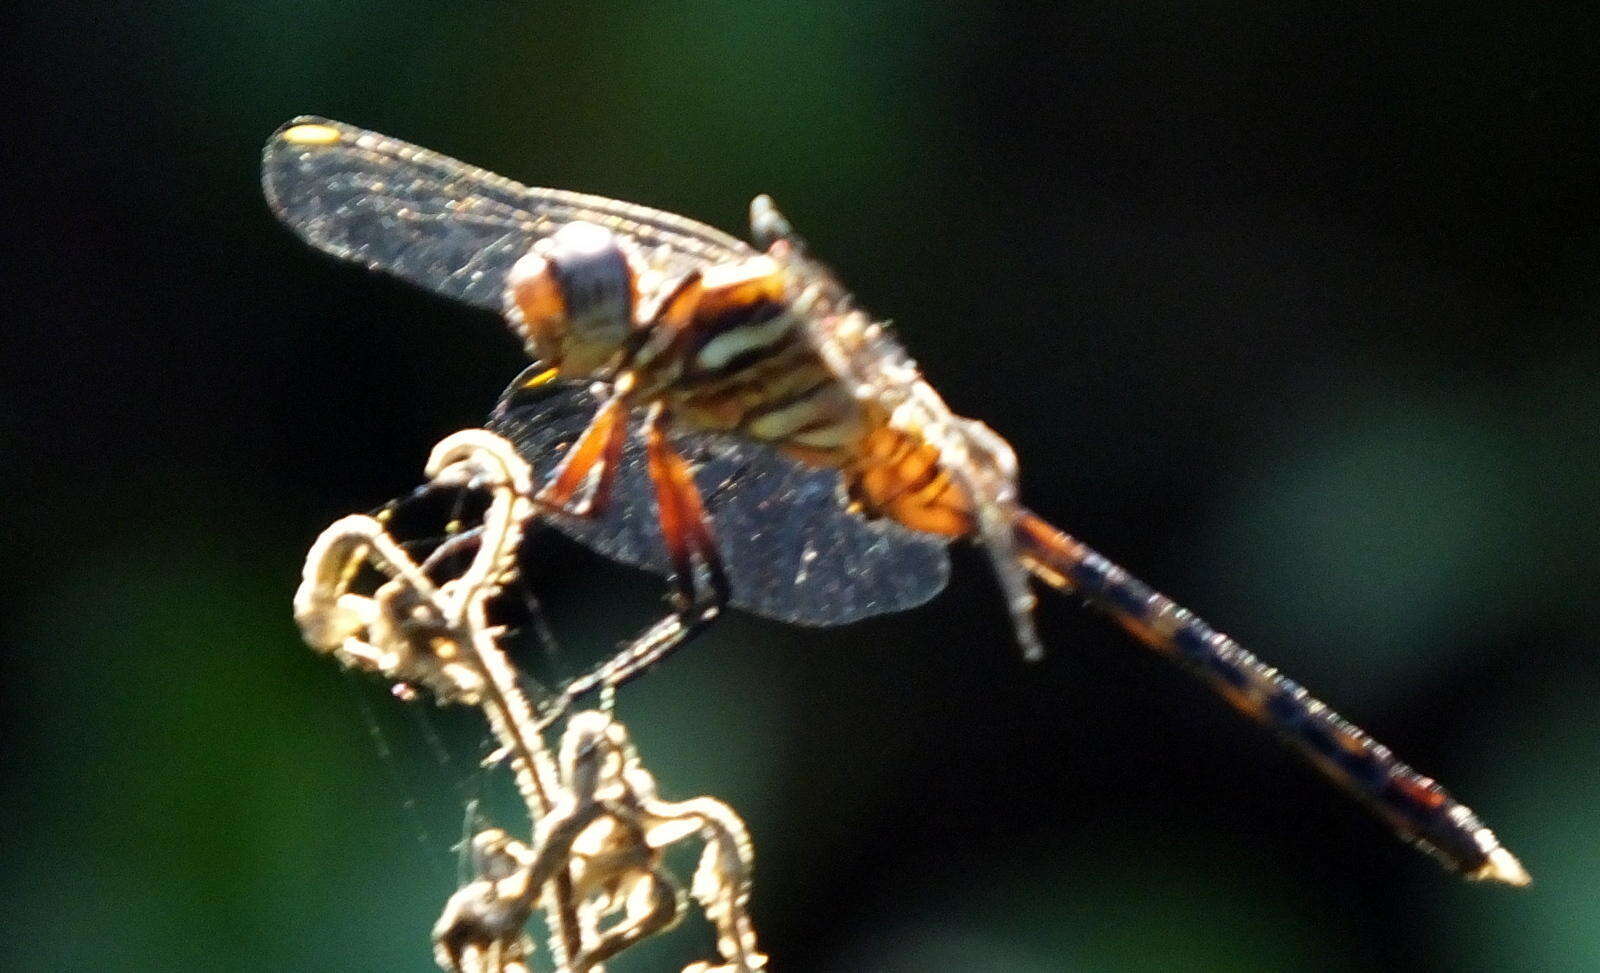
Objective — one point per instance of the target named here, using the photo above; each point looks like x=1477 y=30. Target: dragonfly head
x=571 y=298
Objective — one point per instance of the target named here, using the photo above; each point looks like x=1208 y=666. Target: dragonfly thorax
x=572 y=297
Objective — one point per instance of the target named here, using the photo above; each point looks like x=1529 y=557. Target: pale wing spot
x=311 y=134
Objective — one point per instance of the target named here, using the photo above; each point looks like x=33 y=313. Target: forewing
x=791 y=549
x=441 y=224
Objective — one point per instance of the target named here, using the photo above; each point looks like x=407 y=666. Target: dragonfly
x=723 y=413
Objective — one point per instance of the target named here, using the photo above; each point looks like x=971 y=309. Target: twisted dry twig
x=595 y=861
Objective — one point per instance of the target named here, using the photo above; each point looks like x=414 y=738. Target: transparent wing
x=441 y=224
x=791 y=549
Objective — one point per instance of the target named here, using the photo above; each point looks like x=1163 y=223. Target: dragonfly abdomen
x=897 y=474
x=1413 y=804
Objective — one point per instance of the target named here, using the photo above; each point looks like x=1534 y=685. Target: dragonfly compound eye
x=571 y=298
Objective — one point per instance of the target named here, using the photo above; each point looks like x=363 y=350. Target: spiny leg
x=685 y=527
x=596 y=454
x=691 y=548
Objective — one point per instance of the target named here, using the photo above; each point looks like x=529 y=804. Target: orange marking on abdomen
x=896 y=474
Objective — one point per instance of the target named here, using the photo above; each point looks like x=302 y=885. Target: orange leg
x=597 y=453
x=692 y=548
x=685 y=528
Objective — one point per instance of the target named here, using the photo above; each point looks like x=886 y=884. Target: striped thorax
x=728 y=350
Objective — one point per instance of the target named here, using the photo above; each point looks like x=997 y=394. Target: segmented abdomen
x=1415 y=805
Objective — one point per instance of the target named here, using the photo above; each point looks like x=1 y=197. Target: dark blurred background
x=1290 y=309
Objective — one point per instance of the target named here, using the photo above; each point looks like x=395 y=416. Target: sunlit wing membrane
x=792 y=552
x=441 y=224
